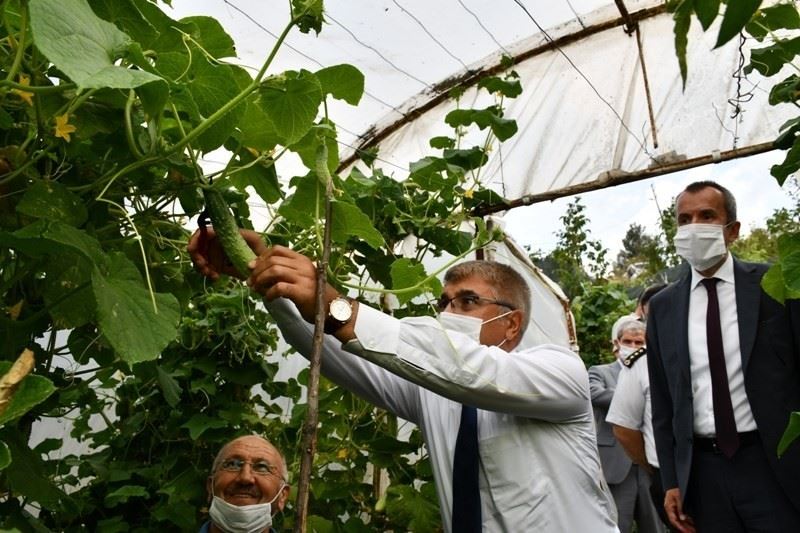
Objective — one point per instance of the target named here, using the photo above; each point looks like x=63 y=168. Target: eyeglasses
x=465 y=303
x=260 y=468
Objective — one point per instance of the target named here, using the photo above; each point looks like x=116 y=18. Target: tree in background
x=576 y=259
x=578 y=263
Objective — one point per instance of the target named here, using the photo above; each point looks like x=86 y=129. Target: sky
x=610 y=211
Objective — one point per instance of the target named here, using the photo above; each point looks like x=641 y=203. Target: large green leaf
x=45 y=237
x=789 y=259
x=349 y=221
x=261 y=175
x=510 y=88
x=210 y=34
x=771 y=59
x=707 y=11
x=31 y=391
x=416 y=508
x=67 y=292
x=123 y=493
x=786 y=91
x=769 y=19
x=344 y=82
x=199 y=423
x=308 y=15
x=52 y=200
x=128 y=321
x=318 y=524
x=257 y=130
x=682 y=14
x=83 y=45
x=302 y=207
x=170 y=387
x=211 y=87
x=465 y=159
x=139 y=19
x=792 y=432
x=790 y=164
x=26 y=474
x=407 y=273
x=491 y=117
x=291 y=102
x=307 y=147
x=737 y=15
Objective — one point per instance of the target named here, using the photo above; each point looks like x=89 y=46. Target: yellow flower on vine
x=469 y=193
x=63 y=127
x=27 y=96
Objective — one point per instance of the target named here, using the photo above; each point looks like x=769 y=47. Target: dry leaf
x=15 y=310
x=9 y=382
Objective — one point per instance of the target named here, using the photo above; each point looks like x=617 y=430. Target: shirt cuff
x=377 y=331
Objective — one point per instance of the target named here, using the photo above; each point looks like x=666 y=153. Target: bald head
x=251 y=441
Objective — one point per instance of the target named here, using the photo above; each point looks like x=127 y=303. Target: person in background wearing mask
x=509 y=432
x=724 y=376
x=247 y=486
x=629 y=483
x=631 y=419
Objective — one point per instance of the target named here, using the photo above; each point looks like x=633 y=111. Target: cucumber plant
x=105 y=109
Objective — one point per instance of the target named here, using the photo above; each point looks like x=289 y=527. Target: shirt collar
x=724 y=273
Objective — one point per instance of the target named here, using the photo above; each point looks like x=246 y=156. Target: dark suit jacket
x=768 y=335
x=602 y=383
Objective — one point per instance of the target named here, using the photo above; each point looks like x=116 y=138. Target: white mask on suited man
x=242 y=518
x=702 y=245
x=624 y=351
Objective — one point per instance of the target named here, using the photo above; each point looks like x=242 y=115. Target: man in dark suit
x=724 y=376
x=629 y=483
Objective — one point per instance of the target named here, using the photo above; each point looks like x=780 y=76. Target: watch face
x=341 y=310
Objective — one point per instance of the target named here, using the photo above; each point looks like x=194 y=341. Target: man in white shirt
x=724 y=376
x=629 y=482
x=538 y=464
x=630 y=415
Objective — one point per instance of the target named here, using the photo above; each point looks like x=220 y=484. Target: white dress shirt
x=698 y=352
x=630 y=407
x=539 y=467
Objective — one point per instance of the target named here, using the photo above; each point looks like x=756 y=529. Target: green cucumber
x=227 y=231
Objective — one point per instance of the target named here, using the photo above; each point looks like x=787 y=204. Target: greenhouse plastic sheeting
x=575 y=132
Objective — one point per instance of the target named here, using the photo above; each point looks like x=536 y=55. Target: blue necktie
x=466 y=494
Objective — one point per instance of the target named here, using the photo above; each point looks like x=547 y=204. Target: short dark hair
x=649 y=292
x=727 y=197
x=509 y=284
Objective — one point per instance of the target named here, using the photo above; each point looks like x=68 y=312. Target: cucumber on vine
x=227 y=231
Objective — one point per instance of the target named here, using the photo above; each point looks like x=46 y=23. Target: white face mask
x=242 y=518
x=702 y=245
x=468 y=325
x=624 y=351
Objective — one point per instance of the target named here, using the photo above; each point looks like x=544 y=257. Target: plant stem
x=141 y=249
x=420 y=284
x=309 y=432
x=129 y=125
x=236 y=100
x=205 y=124
x=23 y=30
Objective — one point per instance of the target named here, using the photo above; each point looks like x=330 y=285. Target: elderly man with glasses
x=247 y=486
x=510 y=432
